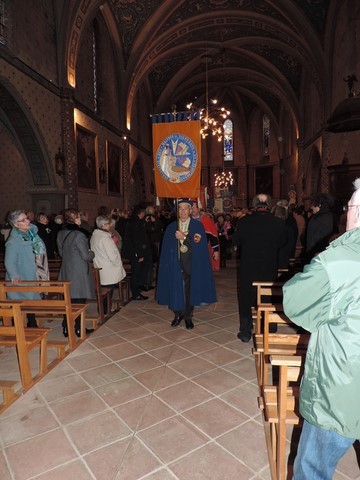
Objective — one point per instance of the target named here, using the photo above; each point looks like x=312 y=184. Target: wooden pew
x=266 y=343
x=25 y=340
x=281 y=408
x=102 y=295
x=49 y=306
x=264 y=292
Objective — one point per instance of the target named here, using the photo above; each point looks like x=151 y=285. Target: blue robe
x=170 y=284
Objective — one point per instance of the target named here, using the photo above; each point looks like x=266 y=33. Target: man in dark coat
x=136 y=247
x=185 y=277
x=258 y=237
x=321 y=225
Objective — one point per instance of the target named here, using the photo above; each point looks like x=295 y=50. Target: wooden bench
x=7 y=387
x=265 y=293
x=266 y=343
x=102 y=296
x=25 y=340
x=281 y=408
x=49 y=306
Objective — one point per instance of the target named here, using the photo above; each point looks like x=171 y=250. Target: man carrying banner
x=185 y=277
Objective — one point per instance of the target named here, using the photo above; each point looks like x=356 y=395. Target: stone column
x=300 y=187
x=125 y=168
x=69 y=146
x=325 y=163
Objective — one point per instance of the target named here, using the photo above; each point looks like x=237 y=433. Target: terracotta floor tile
x=159 y=378
x=244 y=398
x=122 y=391
x=215 y=417
x=183 y=396
x=210 y=462
x=245 y=368
x=170 y=354
x=205 y=328
x=162 y=474
x=125 y=460
x=71 y=471
x=119 y=352
x=108 y=341
x=27 y=458
x=4 y=471
x=139 y=363
x=22 y=426
x=190 y=367
x=221 y=336
x=61 y=370
x=160 y=327
x=172 y=438
x=151 y=343
x=121 y=325
x=198 y=345
x=31 y=400
x=89 y=360
x=244 y=451
x=144 y=413
x=69 y=385
x=135 y=333
x=217 y=381
x=105 y=374
x=98 y=431
x=221 y=356
x=78 y=407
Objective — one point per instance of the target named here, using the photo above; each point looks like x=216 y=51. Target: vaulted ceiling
x=261 y=51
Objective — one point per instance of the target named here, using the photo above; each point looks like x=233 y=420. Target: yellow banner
x=177 y=158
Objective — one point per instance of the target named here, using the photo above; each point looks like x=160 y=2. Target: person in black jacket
x=258 y=237
x=136 y=248
x=321 y=225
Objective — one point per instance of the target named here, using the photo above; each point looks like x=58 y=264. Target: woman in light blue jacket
x=25 y=257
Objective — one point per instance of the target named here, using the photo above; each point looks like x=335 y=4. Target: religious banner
x=177 y=157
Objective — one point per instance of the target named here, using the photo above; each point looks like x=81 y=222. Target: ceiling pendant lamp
x=346 y=116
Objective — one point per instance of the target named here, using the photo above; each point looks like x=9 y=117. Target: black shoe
x=244 y=337
x=65 y=331
x=177 y=320
x=87 y=331
x=189 y=324
x=140 y=297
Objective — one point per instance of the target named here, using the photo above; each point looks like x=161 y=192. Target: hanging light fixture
x=346 y=116
x=212 y=115
x=223 y=180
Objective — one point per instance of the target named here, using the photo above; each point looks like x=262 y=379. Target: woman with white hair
x=107 y=256
x=25 y=257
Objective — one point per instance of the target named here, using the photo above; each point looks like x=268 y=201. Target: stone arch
x=18 y=120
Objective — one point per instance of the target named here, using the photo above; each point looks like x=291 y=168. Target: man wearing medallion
x=185 y=277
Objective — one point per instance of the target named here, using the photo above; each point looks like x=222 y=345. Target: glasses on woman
x=346 y=207
x=22 y=220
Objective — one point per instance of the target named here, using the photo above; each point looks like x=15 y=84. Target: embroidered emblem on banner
x=197 y=237
x=176 y=158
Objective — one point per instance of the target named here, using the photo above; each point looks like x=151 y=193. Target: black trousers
x=188 y=312
x=77 y=320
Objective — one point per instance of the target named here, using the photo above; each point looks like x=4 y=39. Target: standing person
x=258 y=237
x=73 y=247
x=211 y=234
x=107 y=256
x=25 y=257
x=136 y=247
x=46 y=234
x=224 y=228
x=320 y=227
x=185 y=277
x=324 y=300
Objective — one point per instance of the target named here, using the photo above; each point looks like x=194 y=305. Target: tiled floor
x=141 y=400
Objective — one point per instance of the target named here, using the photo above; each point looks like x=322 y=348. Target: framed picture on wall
x=87 y=171
x=264 y=180
x=113 y=155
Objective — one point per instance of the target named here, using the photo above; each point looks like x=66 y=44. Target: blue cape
x=170 y=284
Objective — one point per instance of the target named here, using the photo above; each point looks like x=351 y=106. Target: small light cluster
x=224 y=180
x=211 y=118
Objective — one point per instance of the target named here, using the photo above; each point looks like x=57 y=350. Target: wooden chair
x=281 y=408
x=49 y=306
x=102 y=296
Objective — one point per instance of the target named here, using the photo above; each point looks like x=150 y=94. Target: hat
x=188 y=201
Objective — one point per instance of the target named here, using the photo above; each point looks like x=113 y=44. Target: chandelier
x=211 y=115
x=223 y=180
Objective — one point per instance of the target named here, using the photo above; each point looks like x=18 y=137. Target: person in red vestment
x=211 y=234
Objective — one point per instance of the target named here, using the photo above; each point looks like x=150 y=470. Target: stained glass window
x=228 y=141
x=266 y=135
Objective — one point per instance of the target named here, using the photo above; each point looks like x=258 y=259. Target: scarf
x=38 y=246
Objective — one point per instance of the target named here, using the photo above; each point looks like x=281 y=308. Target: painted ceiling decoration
x=261 y=50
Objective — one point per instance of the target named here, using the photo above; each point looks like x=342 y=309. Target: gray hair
x=14 y=216
x=102 y=220
x=262 y=200
x=355 y=199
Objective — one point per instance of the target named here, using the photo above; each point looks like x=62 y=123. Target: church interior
x=80 y=82
x=94 y=72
